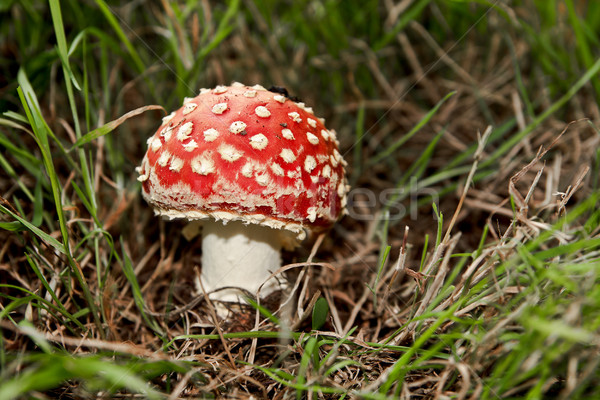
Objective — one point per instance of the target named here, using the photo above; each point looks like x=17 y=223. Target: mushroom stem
x=239 y=255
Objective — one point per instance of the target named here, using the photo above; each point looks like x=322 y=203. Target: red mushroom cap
x=245 y=153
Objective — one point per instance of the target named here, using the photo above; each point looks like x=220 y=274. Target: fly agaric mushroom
x=258 y=169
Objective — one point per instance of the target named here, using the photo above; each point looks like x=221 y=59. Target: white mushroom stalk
x=238 y=259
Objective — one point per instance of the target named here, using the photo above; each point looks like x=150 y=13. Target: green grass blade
x=397 y=144
x=513 y=140
x=583 y=46
x=112 y=20
x=35 y=230
x=59 y=306
x=51 y=370
x=308 y=354
x=112 y=125
x=401 y=366
x=137 y=294
x=63 y=51
x=40 y=129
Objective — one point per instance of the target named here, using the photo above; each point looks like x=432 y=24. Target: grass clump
x=468 y=265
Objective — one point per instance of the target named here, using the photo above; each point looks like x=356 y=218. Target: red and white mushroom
x=261 y=172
